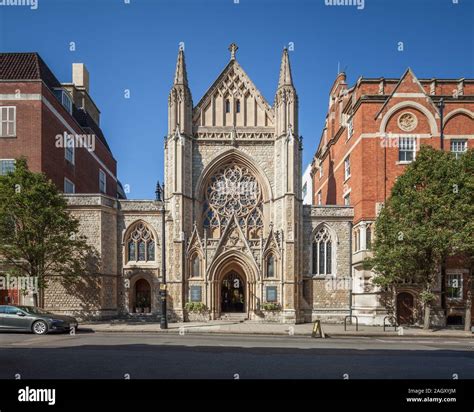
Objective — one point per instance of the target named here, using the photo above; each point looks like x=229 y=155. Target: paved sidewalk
x=256 y=328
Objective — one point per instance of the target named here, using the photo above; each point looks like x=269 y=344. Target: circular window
x=233 y=190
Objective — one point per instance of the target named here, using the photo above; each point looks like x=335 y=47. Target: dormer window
x=64 y=98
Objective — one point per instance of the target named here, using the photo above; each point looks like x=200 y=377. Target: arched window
x=356 y=240
x=322 y=253
x=227 y=106
x=237 y=106
x=368 y=237
x=140 y=244
x=195 y=267
x=233 y=190
x=270 y=272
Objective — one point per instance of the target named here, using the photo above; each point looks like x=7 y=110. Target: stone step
x=237 y=317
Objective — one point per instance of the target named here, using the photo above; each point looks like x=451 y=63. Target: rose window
x=233 y=190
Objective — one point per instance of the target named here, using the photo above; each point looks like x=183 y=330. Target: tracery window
x=140 y=244
x=233 y=190
x=322 y=253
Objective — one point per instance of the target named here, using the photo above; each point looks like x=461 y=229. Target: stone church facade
x=239 y=242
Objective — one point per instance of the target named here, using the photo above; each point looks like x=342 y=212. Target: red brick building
x=373 y=129
x=55 y=125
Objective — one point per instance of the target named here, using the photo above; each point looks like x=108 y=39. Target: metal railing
x=350 y=317
x=393 y=323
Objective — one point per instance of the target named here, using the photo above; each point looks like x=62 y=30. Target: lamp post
x=160 y=196
x=441 y=120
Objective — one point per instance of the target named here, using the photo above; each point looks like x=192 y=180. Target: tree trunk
x=467 y=316
x=426 y=322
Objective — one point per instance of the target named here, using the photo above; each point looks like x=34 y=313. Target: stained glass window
x=322 y=253
x=140 y=244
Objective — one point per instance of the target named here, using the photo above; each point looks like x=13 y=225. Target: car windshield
x=33 y=310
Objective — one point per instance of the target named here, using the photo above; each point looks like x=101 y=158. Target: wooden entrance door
x=404 y=308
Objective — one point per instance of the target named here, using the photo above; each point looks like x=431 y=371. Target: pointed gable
x=233 y=239
x=272 y=243
x=233 y=101
x=408 y=87
x=195 y=243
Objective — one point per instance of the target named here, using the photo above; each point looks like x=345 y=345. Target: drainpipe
x=350 y=269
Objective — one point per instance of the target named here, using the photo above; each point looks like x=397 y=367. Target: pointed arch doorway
x=233 y=285
x=232 y=291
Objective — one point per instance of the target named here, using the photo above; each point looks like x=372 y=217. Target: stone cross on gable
x=233 y=49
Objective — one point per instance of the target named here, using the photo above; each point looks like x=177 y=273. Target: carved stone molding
x=407 y=121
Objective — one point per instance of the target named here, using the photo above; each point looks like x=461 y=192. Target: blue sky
x=134 y=46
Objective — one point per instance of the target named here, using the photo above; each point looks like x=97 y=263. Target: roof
x=85 y=120
x=26 y=66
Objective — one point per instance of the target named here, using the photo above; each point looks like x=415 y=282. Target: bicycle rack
x=350 y=317
x=393 y=324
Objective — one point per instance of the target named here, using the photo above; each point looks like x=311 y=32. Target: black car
x=33 y=319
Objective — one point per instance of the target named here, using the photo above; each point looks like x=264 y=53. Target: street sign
x=317 y=330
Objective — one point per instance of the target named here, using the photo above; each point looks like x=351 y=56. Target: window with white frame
x=7 y=166
x=350 y=128
x=347 y=199
x=454 y=286
x=458 y=147
x=102 y=182
x=320 y=198
x=69 y=187
x=322 y=252
x=347 y=168
x=356 y=239
x=320 y=170
x=69 y=149
x=65 y=98
x=406 y=149
x=7 y=121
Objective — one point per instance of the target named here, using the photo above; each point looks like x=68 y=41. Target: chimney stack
x=80 y=76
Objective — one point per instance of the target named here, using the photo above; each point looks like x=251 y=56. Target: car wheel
x=40 y=327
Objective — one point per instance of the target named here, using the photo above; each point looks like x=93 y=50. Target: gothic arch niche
x=195 y=265
x=233 y=189
x=271 y=264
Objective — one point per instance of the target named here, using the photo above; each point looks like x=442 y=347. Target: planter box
x=271 y=315
x=196 y=316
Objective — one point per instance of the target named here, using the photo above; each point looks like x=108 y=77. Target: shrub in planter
x=195 y=307
x=271 y=306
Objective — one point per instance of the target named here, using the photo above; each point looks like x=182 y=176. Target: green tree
x=427 y=218
x=38 y=236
